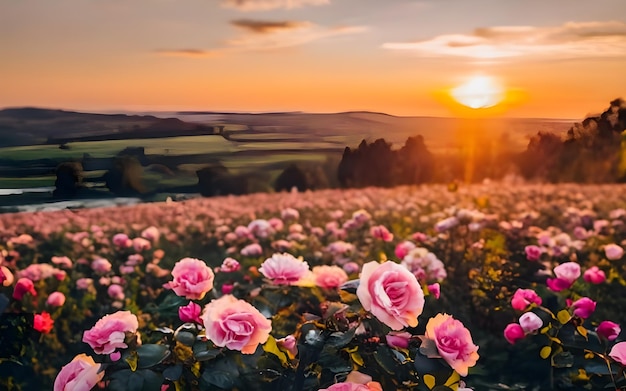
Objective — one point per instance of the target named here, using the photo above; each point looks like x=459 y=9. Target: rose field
x=498 y=286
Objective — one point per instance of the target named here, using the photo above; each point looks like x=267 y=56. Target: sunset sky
x=555 y=58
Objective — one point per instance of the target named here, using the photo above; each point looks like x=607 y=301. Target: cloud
x=570 y=40
x=265 y=27
x=267 y=36
x=264 y=5
x=296 y=35
x=193 y=53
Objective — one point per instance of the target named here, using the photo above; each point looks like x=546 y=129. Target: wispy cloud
x=267 y=36
x=264 y=5
x=570 y=40
x=266 y=27
x=193 y=53
x=296 y=35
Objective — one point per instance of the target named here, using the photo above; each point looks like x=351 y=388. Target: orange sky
x=562 y=59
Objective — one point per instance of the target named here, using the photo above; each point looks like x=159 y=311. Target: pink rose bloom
x=6 y=277
x=391 y=293
x=116 y=292
x=101 y=265
x=62 y=261
x=398 y=339
x=242 y=232
x=356 y=381
x=109 y=333
x=351 y=267
x=290 y=214
x=513 y=332
x=151 y=233
x=56 y=299
x=533 y=253
x=284 y=269
x=22 y=287
x=381 y=232
x=454 y=342
x=84 y=283
x=613 y=252
x=329 y=277
x=583 y=307
x=435 y=290
x=403 y=248
x=252 y=250
x=190 y=313
x=227 y=289
x=192 y=279
x=290 y=344
x=141 y=244
x=80 y=374
x=594 y=275
x=235 y=324
x=618 y=353
x=523 y=298
x=260 y=228
x=134 y=260
x=122 y=241
x=230 y=265
x=419 y=237
x=566 y=274
x=276 y=224
x=43 y=322
x=608 y=330
x=530 y=322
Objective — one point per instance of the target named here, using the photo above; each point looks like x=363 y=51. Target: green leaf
x=202 y=352
x=186 y=338
x=563 y=360
x=385 y=359
x=152 y=354
x=152 y=381
x=221 y=379
x=173 y=373
x=339 y=340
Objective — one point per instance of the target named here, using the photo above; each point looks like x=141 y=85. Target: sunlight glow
x=479 y=92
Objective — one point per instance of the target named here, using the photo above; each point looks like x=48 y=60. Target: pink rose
x=454 y=342
x=403 y=248
x=513 y=332
x=381 y=232
x=618 y=353
x=435 y=290
x=533 y=253
x=22 y=287
x=116 y=292
x=252 y=250
x=84 y=283
x=192 y=278
x=530 y=322
x=351 y=267
x=398 y=339
x=190 y=313
x=62 y=261
x=584 y=307
x=109 y=333
x=329 y=277
x=289 y=344
x=141 y=244
x=608 y=330
x=391 y=293
x=523 y=298
x=566 y=274
x=284 y=269
x=594 y=275
x=43 y=322
x=151 y=233
x=56 y=299
x=6 y=277
x=122 y=241
x=80 y=374
x=230 y=265
x=235 y=324
x=101 y=265
x=356 y=381
x=613 y=252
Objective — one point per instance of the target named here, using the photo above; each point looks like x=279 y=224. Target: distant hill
x=36 y=126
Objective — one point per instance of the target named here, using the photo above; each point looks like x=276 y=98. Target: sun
x=479 y=92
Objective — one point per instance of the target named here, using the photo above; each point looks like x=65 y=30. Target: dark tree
x=69 y=178
x=291 y=177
